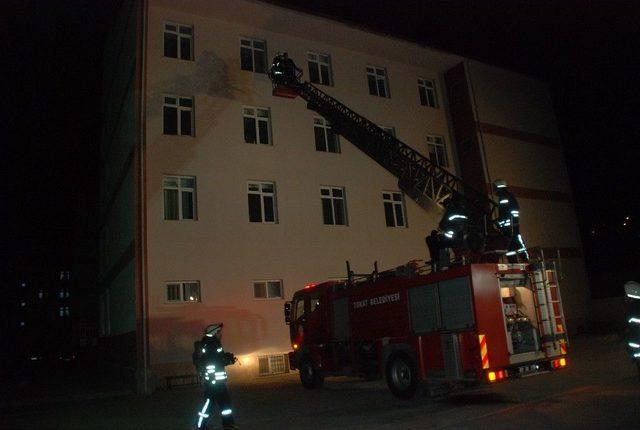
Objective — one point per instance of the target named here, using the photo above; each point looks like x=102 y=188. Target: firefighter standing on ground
x=210 y=359
x=509 y=222
x=632 y=302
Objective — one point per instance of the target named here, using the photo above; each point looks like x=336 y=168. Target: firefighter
x=284 y=70
x=509 y=222
x=632 y=301
x=438 y=253
x=454 y=224
x=210 y=360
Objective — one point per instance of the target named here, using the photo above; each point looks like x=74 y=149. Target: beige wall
x=522 y=104
x=222 y=249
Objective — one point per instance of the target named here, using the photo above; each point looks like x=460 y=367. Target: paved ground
x=599 y=389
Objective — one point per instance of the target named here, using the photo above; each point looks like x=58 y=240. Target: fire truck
x=480 y=320
x=470 y=324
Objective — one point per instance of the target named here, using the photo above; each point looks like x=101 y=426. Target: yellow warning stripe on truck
x=484 y=353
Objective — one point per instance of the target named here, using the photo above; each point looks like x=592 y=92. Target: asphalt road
x=598 y=390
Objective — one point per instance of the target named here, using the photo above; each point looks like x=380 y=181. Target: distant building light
x=23 y=304
x=23 y=284
x=22 y=324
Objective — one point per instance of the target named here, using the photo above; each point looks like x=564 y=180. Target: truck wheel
x=310 y=377
x=402 y=376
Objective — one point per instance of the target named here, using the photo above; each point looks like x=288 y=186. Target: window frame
x=180 y=189
x=422 y=85
x=266 y=289
x=253 y=49
x=263 y=194
x=432 y=142
x=179 y=109
x=182 y=290
x=325 y=125
x=373 y=71
x=394 y=204
x=319 y=64
x=180 y=35
x=332 y=198
x=257 y=119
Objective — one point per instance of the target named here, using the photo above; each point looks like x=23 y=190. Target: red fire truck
x=475 y=323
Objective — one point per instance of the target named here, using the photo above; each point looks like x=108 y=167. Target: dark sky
x=588 y=52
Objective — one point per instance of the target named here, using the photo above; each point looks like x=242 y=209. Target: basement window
x=267 y=289
x=273 y=364
x=182 y=291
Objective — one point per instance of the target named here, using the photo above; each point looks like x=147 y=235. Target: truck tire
x=310 y=376
x=402 y=376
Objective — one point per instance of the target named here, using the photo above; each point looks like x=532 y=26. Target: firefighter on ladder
x=453 y=225
x=509 y=222
x=210 y=359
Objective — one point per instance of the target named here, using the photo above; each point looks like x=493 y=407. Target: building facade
x=219 y=200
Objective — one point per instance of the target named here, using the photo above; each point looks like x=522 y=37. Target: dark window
x=256 y=125
x=326 y=139
x=333 y=206
x=178 y=116
x=393 y=209
x=319 y=68
x=377 y=80
x=179 y=197
x=437 y=150
x=262 y=203
x=427 y=91
x=178 y=41
x=253 y=55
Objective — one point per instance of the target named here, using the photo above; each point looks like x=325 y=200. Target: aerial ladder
x=428 y=184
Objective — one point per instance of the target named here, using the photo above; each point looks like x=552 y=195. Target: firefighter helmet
x=213 y=329
x=500 y=183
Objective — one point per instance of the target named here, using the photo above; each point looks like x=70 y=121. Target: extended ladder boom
x=422 y=180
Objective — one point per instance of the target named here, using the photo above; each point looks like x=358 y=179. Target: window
x=273 y=364
x=64 y=293
x=390 y=130
x=377 y=78
x=333 y=206
x=178 y=41
x=179 y=197
x=267 y=289
x=253 y=55
x=178 y=116
x=427 y=91
x=326 y=139
x=183 y=291
x=65 y=275
x=262 y=202
x=63 y=311
x=394 y=209
x=319 y=68
x=256 y=125
x=437 y=150
x=41 y=294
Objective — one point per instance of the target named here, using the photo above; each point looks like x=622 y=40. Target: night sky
x=588 y=52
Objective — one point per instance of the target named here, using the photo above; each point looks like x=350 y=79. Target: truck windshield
x=298 y=309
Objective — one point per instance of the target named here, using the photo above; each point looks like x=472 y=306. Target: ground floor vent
x=273 y=364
